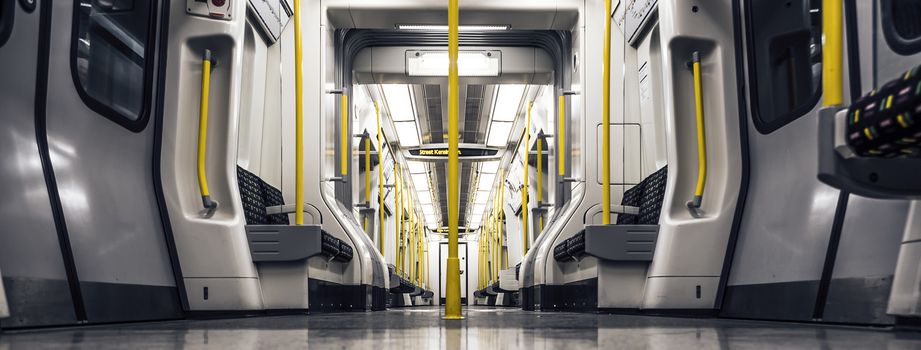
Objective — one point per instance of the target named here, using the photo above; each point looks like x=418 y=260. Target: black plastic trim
x=140 y=123
x=896 y=42
x=28 y=5
x=831 y=255
x=41 y=137
x=853 y=48
x=162 y=56
x=746 y=158
x=762 y=126
x=7 y=15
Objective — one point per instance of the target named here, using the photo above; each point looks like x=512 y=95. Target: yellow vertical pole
x=206 y=201
x=380 y=180
x=701 y=135
x=500 y=219
x=540 y=182
x=832 y=59
x=606 y=120
x=345 y=134
x=561 y=137
x=527 y=180
x=398 y=201
x=452 y=284
x=368 y=180
x=298 y=118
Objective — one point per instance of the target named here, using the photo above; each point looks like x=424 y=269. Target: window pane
x=905 y=18
x=111 y=47
x=785 y=37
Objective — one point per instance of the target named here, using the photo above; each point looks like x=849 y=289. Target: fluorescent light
x=478 y=209
x=408 y=135
x=475 y=219
x=416 y=167
x=421 y=182
x=444 y=28
x=428 y=210
x=508 y=99
x=485 y=182
x=481 y=197
x=431 y=220
x=425 y=198
x=469 y=63
x=498 y=134
x=489 y=167
x=399 y=102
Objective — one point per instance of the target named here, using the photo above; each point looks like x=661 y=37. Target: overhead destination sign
x=437 y=152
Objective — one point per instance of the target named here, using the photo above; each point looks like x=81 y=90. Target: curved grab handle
x=210 y=205
x=701 y=137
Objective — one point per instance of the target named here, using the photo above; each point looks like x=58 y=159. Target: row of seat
x=634 y=236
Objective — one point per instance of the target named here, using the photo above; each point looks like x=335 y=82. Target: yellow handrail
x=398 y=211
x=701 y=136
x=345 y=134
x=380 y=180
x=527 y=180
x=561 y=137
x=452 y=283
x=832 y=57
x=298 y=117
x=540 y=181
x=368 y=179
x=209 y=205
x=606 y=120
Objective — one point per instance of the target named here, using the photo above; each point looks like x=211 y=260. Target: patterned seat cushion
x=653 y=195
x=631 y=198
x=253 y=197
x=887 y=122
x=274 y=197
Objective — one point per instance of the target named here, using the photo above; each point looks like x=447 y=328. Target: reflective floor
x=484 y=328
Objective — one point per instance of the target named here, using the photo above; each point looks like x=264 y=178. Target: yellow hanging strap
x=298 y=117
x=380 y=180
x=606 y=120
x=832 y=57
x=452 y=283
x=701 y=137
x=209 y=205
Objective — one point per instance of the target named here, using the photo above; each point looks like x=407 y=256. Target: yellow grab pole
x=380 y=180
x=527 y=180
x=398 y=202
x=298 y=117
x=540 y=182
x=701 y=136
x=206 y=201
x=606 y=120
x=452 y=283
x=561 y=137
x=500 y=219
x=832 y=58
x=368 y=179
x=345 y=134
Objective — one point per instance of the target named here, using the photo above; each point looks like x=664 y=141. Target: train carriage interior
x=657 y=174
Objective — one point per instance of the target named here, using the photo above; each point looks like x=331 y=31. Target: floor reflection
x=483 y=328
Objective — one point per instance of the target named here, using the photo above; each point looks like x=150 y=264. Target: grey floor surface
x=483 y=328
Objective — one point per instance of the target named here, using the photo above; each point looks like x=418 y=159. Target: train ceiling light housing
x=498 y=134
x=508 y=101
x=444 y=28
x=399 y=101
x=407 y=133
x=480 y=63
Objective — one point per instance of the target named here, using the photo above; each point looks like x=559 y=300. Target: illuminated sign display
x=440 y=152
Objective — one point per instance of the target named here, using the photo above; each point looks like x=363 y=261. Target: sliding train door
x=806 y=251
x=101 y=99
x=34 y=275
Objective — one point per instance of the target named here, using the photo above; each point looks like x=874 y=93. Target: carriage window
x=901 y=26
x=111 y=57
x=6 y=20
x=786 y=54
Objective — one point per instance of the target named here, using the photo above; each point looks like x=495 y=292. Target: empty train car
x=460 y=173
